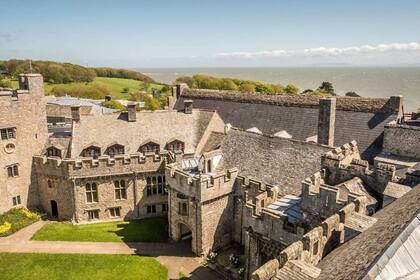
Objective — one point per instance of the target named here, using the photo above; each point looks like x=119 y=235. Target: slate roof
x=360 y=119
x=355 y=257
x=160 y=127
x=273 y=160
x=73 y=101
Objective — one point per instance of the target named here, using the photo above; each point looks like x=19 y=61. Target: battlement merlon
x=103 y=166
x=201 y=187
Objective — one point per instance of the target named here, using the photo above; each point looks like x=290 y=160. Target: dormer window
x=175 y=146
x=115 y=150
x=150 y=147
x=53 y=152
x=91 y=151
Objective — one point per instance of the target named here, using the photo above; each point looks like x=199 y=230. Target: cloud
x=6 y=36
x=322 y=51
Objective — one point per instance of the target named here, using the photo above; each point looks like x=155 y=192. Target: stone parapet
x=103 y=166
x=202 y=187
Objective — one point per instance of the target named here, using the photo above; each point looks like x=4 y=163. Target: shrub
x=211 y=257
x=113 y=104
x=18 y=218
x=352 y=94
x=291 y=89
x=91 y=91
x=234 y=260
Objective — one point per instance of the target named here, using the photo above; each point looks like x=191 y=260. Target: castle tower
x=326 y=121
x=23 y=127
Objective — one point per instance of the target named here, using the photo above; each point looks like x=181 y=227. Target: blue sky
x=212 y=33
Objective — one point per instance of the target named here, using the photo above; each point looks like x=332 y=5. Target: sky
x=229 y=33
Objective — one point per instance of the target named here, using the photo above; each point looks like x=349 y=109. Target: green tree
x=291 y=89
x=247 y=87
x=327 y=87
x=151 y=103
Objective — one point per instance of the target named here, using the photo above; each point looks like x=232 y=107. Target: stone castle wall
x=402 y=139
x=23 y=109
x=71 y=177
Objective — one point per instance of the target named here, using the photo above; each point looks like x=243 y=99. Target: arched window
x=115 y=149
x=91 y=151
x=53 y=152
x=175 y=146
x=150 y=147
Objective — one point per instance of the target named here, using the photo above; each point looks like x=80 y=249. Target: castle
x=280 y=176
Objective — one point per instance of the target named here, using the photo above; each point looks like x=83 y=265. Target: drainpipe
x=135 y=193
x=74 y=200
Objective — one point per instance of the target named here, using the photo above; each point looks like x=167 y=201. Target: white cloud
x=322 y=51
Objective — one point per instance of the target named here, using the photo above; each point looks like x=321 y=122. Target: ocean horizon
x=366 y=81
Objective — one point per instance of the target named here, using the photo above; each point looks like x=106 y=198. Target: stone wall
x=71 y=177
x=314 y=245
x=402 y=140
x=23 y=109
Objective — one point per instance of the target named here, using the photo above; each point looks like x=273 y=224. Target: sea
x=366 y=81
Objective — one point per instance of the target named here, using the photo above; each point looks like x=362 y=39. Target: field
x=115 y=85
x=145 y=230
x=77 y=266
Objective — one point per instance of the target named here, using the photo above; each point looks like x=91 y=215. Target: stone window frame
x=91 y=189
x=13 y=170
x=156 y=185
x=115 y=149
x=52 y=183
x=120 y=190
x=93 y=214
x=176 y=146
x=53 y=152
x=151 y=208
x=164 y=207
x=91 y=151
x=16 y=200
x=183 y=208
x=150 y=147
x=8 y=133
x=115 y=212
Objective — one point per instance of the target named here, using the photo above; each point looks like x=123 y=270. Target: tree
x=327 y=87
x=151 y=103
x=352 y=94
x=307 y=91
x=247 y=87
x=291 y=89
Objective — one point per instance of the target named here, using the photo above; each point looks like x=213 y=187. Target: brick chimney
x=132 y=114
x=326 y=121
x=188 y=106
x=75 y=113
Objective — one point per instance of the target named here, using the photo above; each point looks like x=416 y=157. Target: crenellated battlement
x=323 y=199
x=102 y=166
x=344 y=163
x=308 y=251
x=257 y=194
x=202 y=187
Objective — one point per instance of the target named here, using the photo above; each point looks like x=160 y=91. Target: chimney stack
x=180 y=88
x=132 y=114
x=188 y=106
x=326 y=121
x=75 y=113
x=34 y=83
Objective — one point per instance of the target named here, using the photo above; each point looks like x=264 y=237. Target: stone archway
x=183 y=233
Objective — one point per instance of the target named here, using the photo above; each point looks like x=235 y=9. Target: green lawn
x=115 y=85
x=76 y=266
x=16 y=219
x=145 y=230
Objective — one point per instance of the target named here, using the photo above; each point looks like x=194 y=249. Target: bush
x=211 y=257
x=91 y=92
x=291 y=89
x=352 y=94
x=234 y=260
x=122 y=73
x=5 y=83
x=113 y=104
x=16 y=219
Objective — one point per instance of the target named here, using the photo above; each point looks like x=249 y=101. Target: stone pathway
x=177 y=257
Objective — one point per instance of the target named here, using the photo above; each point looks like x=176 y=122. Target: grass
x=17 y=218
x=77 y=266
x=115 y=85
x=145 y=230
